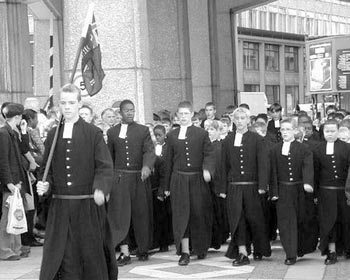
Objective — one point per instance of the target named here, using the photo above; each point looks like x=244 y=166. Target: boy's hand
x=206 y=176
x=167 y=193
x=261 y=191
x=42 y=187
x=274 y=198
x=99 y=197
x=145 y=172
x=308 y=188
x=222 y=195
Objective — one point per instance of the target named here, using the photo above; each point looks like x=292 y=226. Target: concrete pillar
x=301 y=74
x=169 y=53
x=15 y=70
x=283 y=97
x=41 y=59
x=200 y=52
x=123 y=32
x=262 y=67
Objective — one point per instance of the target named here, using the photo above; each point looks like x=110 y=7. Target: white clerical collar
x=123 y=130
x=238 y=139
x=330 y=148
x=183 y=130
x=68 y=129
x=286 y=147
x=277 y=123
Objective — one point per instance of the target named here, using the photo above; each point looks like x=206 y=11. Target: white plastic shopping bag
x=17 y=223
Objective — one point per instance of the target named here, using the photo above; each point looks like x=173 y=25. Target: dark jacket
x=247 y=163
x=11 y=168
x=133 y=152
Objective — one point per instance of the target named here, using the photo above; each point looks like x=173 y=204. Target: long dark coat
x=332 y=171
x=80 y=165
x=190 y=195
x=11 y=167
x=246 y=163
x=293 y=210
x=131 y=199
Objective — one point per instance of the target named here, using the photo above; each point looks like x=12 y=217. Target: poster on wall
x=343 y=69
x=320 y=67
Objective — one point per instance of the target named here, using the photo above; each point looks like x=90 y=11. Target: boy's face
x=288 y=132
x=160 y=136
x=185 y=116
x=224 y=129
x=213 y=133
x=241 y=120
x=196 y=122
x=344 y=134
x=308 y=129
x=330 y=132
x=276 y=115
x=210 y=112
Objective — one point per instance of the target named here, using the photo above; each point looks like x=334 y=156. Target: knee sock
x=185 y=247
x=125 y=250
x=242 y=250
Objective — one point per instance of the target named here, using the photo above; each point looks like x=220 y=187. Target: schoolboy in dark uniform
x=292 y=174
x=220 y=222
x=162 y=237
x=189 y=165
x=273 y=126
x=244 y=157
x=133 y=155
x=332 y=161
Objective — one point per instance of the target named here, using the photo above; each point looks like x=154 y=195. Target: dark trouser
x=162 y=234
x=28 y=237
x=289 y=220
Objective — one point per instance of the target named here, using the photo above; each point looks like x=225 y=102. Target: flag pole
x=88 y=19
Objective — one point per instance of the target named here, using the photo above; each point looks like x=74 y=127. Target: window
x=251 y=56
x=251 y=88
x=271 y=57
x=291 y=59
x=272 y=94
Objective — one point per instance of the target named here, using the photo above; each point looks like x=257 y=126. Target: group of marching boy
x=192 y=181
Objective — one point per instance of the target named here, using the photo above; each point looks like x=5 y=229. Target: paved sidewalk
x=164 y=266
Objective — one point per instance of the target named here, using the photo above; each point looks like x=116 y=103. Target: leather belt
x=243 y=183
x=128 y=171
x=332 y=188
x=290 y=183
x=188 y=173
x=66 y=196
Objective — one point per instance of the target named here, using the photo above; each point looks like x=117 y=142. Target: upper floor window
x=251 y=56
x=271 y=57
x=291 y=59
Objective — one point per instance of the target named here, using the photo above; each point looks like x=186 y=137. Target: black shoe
x=143 y=257
x=290 y=261
x=257 y=257
x=331 y=258
x=123 y=260
x=36 y=243
x=185 y=259
x=202 y=256
x=163 y=249
x=241 y=260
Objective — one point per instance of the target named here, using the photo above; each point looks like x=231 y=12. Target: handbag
x=17 y=222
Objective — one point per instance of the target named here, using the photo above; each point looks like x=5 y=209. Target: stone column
x=200 y=53
x=15 y=66
x=123 y=32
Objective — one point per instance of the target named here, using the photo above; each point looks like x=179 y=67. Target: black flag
x=91 y=67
